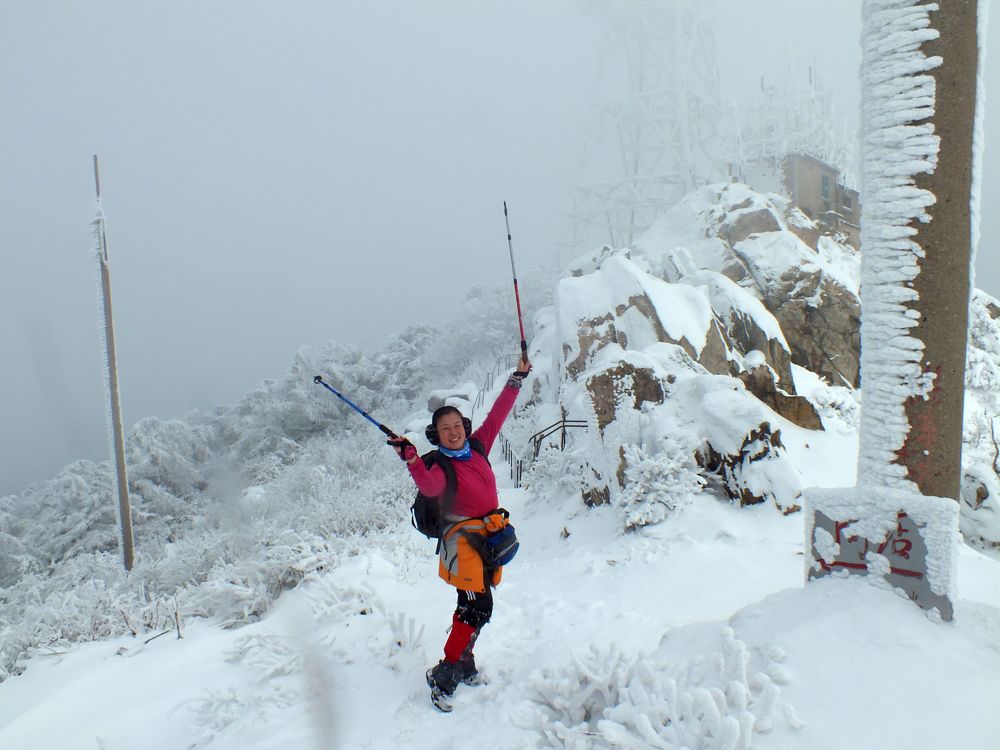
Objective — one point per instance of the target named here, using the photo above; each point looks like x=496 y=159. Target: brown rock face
x=797 y=409
x=595 y=334
x=820 y=318
x=746 y=336
x=802 y=227
x=625 y=384
x=592 y=334
x=714 y=354
x=743 y=225
x=757 y=445
x=824 y=337
x=740 y=333
x=594 y=496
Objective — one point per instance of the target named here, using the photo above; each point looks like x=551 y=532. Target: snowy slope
x=339 y=662
x=596 y=634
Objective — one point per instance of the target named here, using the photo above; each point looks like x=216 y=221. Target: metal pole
x=318 y=380
x=517 y=294
x=114 y=400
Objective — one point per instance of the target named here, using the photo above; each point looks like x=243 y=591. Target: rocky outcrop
x=594 y=496
x=739 y=225
x=769 y=247
x=739 y=471
x=592 y=335
x=624 y=385
x=802 y=227
x=796 y=409
x=819 y=315
x=745 y=336
x=732 y=323
x=821 y=320
x=459 y=396
x=730 y=283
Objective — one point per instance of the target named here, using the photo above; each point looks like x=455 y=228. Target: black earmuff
x=431 y=433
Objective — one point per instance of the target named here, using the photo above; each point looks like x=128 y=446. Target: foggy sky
x=279 y=175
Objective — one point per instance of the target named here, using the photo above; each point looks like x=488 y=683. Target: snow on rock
x=663 y=403
x=720 y=325
x=754 y=334
x=622 y=304
x=813 y=300
x=631 y=344
x=808 y=282
x=459 y=396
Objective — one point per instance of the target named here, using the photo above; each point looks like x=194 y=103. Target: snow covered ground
x=597 y=636
x=695 y=631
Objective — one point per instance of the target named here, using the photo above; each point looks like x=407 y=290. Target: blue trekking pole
x=389 y=433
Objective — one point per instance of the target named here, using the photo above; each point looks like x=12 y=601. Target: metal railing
x=503 y=363
x=516 y=462
x=519 y=465
x=560 y=426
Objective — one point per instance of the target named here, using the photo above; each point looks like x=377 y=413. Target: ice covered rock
x=818 y=312
x=757 y=471
x=716 y=322
x=798 y=409
x=623 y=385
x=459 y=396
x=773 y=251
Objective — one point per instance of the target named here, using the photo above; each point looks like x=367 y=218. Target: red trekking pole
x=517 y=294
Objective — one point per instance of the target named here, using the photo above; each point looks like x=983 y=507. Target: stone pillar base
x=908 y=540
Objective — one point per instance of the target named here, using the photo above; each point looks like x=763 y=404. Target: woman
x=468 y=511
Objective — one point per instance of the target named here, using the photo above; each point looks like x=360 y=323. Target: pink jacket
x=476 y=489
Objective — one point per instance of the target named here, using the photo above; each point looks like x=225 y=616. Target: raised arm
x=490 y=428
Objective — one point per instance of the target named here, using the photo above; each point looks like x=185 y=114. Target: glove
x=404 y=448
x=524 y=367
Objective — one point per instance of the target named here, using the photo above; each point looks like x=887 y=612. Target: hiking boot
x=443 y=678
x=469 y=674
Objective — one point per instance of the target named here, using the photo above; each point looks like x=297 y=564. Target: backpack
x=427 y=513
x=501 y=539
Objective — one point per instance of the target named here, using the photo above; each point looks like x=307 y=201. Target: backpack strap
x=477 y=445
x=446 y=498
x=451 y=480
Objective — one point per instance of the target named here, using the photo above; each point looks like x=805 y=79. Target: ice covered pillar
x=932 y=450
x=919 y=114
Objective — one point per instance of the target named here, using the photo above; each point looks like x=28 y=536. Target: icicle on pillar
x=116 y=432
x=900 y=522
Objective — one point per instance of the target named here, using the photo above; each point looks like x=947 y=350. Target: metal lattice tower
x=793 y=114
x=668 y=135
